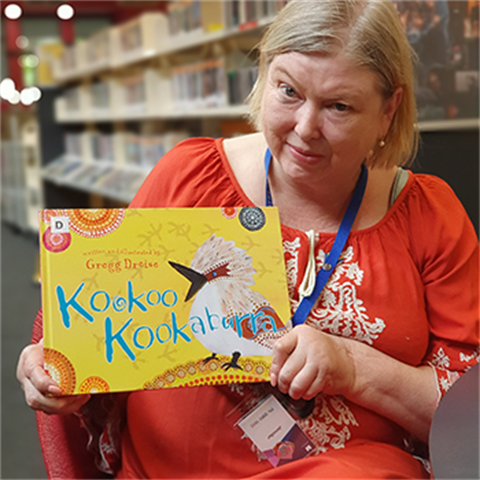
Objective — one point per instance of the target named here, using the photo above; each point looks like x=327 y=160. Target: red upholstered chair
x=63 y=442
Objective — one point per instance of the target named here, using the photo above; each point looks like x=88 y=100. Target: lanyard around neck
x=333 y=256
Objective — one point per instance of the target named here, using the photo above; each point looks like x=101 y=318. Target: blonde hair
x=371 y=34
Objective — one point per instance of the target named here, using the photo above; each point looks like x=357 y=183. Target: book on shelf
x=72 y=99
x=84 y=176
x=100 y=97
x=212 y=16
x=245 y=14
x=133 y=150
x=49 y=53
x=146 y=91
x=102 y=147
x=134 y=92
x=103 y=171
x=73 y=146
x=145 y=150
x=98 y=48
x=161 y=298
x=139 y=37
x=61 y=168
x=131 y=37
x=199 y=85
x=184 y=17
x=240 y=84
x=153 y=149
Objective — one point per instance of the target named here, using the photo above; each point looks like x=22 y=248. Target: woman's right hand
x=41 y=391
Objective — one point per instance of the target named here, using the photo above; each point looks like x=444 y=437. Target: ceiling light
x=29 y=61
x=7 y=87
x=13 y=11
x=14 y=98
x=37 y=93
x=22 y=42
x=27 y=96
x=65 y=12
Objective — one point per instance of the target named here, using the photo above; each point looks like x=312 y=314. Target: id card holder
x=273 y=431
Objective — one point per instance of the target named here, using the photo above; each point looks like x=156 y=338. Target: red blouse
x=408 y=286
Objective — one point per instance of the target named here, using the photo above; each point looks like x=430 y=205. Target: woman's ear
x=390 y=108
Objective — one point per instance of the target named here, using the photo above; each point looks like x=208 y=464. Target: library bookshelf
x=132 y=91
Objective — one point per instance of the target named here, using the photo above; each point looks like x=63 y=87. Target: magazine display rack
x=110 y=165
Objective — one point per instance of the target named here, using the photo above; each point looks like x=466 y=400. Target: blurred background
x=93 y=93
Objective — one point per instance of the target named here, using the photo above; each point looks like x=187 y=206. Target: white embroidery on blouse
x=327 y=426
x=339 y=310
x=448 y=379
x=441 y=359
x=292 y=264
x=468 y=358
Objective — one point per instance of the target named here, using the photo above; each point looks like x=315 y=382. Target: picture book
x=158 y=298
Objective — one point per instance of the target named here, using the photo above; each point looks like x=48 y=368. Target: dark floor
x=20 y=299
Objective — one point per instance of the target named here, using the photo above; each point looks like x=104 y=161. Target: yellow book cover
x=158 y=298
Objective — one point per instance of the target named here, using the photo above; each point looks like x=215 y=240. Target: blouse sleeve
x=192 y=174
x=448 y=257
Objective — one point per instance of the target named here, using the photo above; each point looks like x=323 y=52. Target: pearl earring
x=381 y=143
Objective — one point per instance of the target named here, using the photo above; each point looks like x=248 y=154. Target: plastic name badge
x=274 y=431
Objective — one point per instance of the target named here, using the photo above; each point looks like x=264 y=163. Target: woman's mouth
x=303 y=155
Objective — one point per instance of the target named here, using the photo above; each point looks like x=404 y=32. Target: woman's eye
x=340 y=107
x=288 y=91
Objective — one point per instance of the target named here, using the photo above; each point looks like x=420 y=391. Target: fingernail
x=54 y=389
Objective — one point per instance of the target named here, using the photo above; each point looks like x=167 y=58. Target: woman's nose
x=308 y=122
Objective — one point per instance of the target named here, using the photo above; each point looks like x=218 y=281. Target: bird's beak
x=197 y=279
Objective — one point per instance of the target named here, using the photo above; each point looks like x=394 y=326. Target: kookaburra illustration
x=227 y=316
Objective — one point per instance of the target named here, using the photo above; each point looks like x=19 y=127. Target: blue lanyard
x=327 y=269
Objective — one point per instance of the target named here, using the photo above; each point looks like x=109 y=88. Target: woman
x=397 y=322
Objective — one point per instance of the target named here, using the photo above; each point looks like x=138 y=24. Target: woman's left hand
x=307 y=361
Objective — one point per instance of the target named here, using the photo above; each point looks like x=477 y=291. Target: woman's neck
x=318 y=203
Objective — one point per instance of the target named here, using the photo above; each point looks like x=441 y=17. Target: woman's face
x=322 y=114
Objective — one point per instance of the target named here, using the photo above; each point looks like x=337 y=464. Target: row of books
x=143 y=91
x=240 y=84
x=201 y=85
x=114 y=46
x=154 y=33
x=249 y=12
x=213 y=83
x=146 y=150
x=193 y=16
x=122 y=148
x=184 y=16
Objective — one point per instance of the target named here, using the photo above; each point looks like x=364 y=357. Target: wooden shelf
x=234 y=111
x=451 y=124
